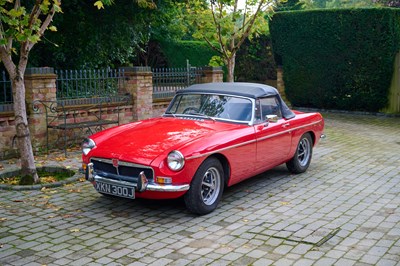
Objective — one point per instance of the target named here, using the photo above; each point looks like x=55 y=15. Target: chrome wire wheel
x=210 y=186
x=206 y=187
x=302 y=158
x=304 y=151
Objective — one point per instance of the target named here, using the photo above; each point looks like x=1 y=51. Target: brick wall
x=7 y=133
x=40 y=85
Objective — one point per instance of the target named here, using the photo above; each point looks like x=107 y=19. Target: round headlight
x=87 y=146
x=175 y=160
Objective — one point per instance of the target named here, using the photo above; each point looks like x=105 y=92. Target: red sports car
x=211 y=136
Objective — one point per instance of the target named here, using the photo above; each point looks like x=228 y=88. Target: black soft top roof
x=250 y=90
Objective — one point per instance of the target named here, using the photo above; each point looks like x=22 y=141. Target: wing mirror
x=271 y=118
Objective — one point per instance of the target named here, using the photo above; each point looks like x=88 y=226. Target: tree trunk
x=231 y=68
x=24 y=144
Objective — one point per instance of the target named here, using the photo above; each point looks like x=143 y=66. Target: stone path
x=345 y=210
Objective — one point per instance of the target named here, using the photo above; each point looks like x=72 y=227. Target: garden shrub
x=254 y=60
x=337 y=59
x=198 y=53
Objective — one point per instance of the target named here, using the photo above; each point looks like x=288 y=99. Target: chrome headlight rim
x=87 y=145
x=175 y=160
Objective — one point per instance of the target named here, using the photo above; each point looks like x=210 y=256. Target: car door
x=273 y=138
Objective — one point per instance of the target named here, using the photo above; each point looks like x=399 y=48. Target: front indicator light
x=163 y=180
x=175 y=160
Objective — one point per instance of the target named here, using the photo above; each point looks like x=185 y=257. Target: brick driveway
x=344 y=211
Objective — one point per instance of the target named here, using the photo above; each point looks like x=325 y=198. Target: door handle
x=286 y=125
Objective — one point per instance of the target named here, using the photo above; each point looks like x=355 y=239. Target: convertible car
x=211 y=136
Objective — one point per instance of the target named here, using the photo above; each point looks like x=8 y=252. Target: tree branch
x=250 y=25
x=218 y=26
x=44 y=26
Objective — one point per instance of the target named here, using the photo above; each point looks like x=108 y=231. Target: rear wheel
x=302 y=158
x=206 y=188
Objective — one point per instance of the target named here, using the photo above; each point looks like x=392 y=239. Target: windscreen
x=214 y=106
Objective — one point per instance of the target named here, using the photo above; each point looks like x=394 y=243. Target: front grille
x=124 y=172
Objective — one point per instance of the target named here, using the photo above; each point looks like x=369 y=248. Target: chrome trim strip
x=123 y=163
x=150 y=187
x=288 y=131
x=251 y=141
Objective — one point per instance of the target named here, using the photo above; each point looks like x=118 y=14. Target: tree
x=134 y=28
x=225 y=25
x=21 y=27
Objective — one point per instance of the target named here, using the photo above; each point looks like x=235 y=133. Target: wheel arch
x=312 y=134
x=225 y=165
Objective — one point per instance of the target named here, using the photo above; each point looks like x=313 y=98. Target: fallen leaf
x=60 y=159
x=75 y=230
x=1 y=245
x=18 y=201
x=3 y=219
x=285 y=203
x=82 y=179
x=1 y=167
x=67 y=215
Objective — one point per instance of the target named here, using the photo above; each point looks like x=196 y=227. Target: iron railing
x=75 y=84
x=6 y=97
x=166 y=81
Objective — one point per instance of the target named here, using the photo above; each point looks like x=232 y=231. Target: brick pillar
x=139 y=83
x=40 y=85
x=212 y=74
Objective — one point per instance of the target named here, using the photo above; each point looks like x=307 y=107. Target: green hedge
x=254 y=60
x=337 y=59
x=176 y=53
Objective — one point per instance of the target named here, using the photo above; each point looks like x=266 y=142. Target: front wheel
x=302 y=158
x=206 y=188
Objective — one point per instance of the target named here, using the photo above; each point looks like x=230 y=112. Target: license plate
x=116 y=190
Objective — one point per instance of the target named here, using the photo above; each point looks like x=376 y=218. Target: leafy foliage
x=224 y=25
x=313 y=4
x=255 y=61
x=111 y=37
x=330 y=58
x=198 y=53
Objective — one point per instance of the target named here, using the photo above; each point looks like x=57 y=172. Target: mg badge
x=115 y=163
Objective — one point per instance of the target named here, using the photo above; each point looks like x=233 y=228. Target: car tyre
x=302 y=158
x=206 y=188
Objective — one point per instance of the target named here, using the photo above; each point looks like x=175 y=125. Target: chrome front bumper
x=141 y=185
x=149 y=186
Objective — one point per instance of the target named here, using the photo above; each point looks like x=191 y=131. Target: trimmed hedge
x=176 y=53
x=337 y=59
x=255 y=61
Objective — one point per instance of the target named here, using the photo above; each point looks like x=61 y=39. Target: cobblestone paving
x=345 y=210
